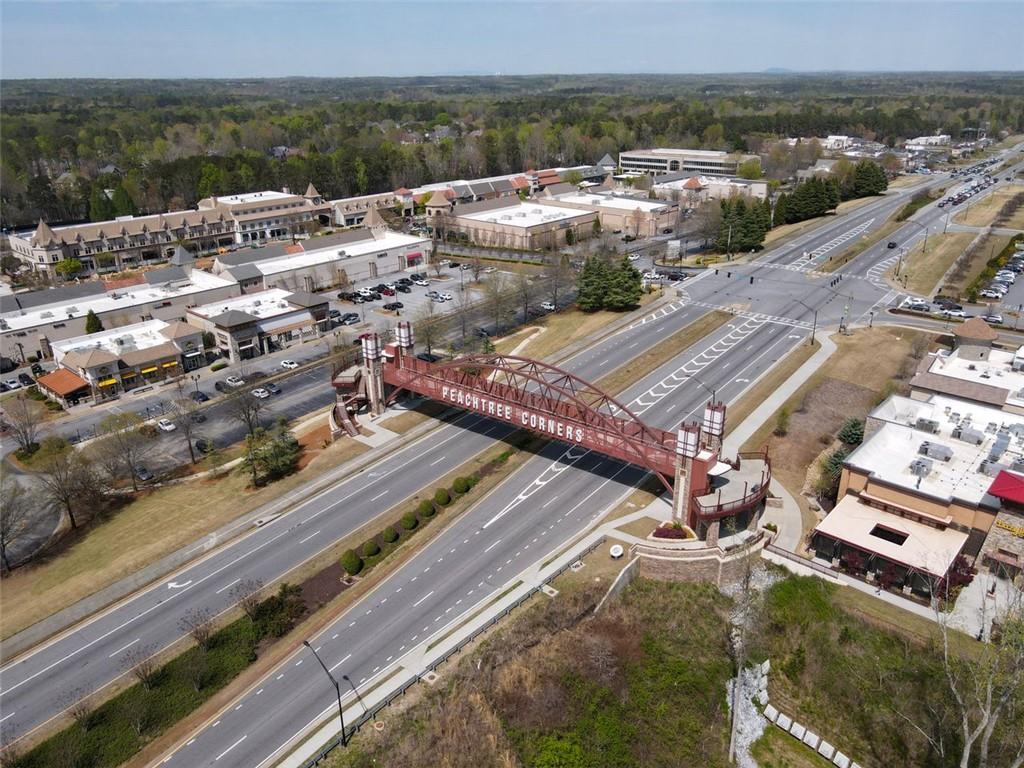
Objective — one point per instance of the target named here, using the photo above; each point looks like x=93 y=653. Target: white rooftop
x=388 y=240
x=705 y=181
x=967 y=433
x=997 y=371
x=616 y=203
x=198 y=281
x=253 y=197
x=264 y=304
x=525 y=214
x=118 y=340
x=679 y=152
x=924 y=547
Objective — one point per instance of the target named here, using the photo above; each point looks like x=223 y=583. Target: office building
x=658 y=161
x=512 y=223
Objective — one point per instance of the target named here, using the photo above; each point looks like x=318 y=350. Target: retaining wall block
x=798 y=731
x=841 y=760
x=784 y=722
x=771 y=713
x=826 y=750
x=811 y=739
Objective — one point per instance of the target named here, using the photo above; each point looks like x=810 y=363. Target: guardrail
x=372 y=712
x=807 y=563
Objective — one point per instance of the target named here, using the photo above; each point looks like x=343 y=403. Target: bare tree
x=709 y=220
x=196 y=668
x=183 y=414
x=476 y=267
x=124 y=446
x=559 y=277
x=246 y=594
x=499 y=298
x=463 y=305
x=16 y=506
x=25 y=417
x=244 y=407
x=137 y=711
x=429 y=325
x=67 y=476
x=79 y=706
x=524 y=289
x=198 y=623
x=141 y=662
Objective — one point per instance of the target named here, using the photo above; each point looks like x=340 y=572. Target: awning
x=414 y=255
x=170 y=364
x=148 y=370
x=108 y=382
x=193 y=354
x=128 y=375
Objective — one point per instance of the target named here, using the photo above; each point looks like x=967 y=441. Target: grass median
x=924 y=269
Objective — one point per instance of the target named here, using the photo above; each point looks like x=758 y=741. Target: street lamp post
x=814 y=324
x=337 y=690
x=195 y=380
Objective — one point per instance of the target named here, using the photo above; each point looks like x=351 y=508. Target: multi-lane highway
x=547 y=501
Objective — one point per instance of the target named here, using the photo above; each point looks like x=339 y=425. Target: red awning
x=414 y=255
x=1008 y=486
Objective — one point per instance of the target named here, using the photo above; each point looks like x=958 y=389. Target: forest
x=164 y=144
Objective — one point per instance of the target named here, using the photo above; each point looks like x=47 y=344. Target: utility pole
x=337 y=690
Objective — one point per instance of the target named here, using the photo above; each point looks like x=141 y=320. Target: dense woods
x=163 y=145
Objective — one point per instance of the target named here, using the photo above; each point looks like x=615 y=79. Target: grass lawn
x=865 y=366
x=123 y=542
x=643 y=364
x=776 y=749
x=984 y=211
x=923 y=269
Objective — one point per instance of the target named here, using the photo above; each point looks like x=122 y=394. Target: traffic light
x=751 y=279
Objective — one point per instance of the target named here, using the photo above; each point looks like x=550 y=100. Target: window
x=887 y=534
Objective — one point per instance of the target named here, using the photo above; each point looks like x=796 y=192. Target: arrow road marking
x=176 y=585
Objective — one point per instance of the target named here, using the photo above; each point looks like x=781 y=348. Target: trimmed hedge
x=218 y=366
x=390 y=535
x=461 y=485
x=426 y=508
x=409 y=521
x=371 y=548
x=352 y=562
x=442 y=498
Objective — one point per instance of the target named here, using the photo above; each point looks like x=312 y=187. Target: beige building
x=638 y=217
x=512 y=223
x=690 y=190
x=131 y=241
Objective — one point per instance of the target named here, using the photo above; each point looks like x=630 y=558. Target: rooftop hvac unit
x=1017 y=430
x=921 y=467
x=45 y=315
x=990 y=468
x=1017 y=466
x=999 y=446
x=991 y=428
x=935 y=451
x=927 y=425
x=969 y=435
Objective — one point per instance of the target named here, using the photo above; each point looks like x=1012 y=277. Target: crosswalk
x=758 y=316
x=816 y=255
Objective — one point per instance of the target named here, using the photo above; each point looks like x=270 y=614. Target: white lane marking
x=279 y=676
x=218 y=757
x=227 y=586
x=496 y=543
x=312 y=535
x=438 y=461
x=379 y=495
x=119 y=650
x=176 y=585
x=423 y=598
x=7 y=716
x=551 y=501
x=259 y=691
x=347 y=656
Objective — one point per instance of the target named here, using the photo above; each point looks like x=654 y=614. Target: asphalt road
x=558 y=486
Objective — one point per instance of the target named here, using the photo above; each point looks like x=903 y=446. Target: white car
x=447 y=296
x=989 y=293
x=439 y=299
x=489 y=270
x=12 y=383
x=364 y=291
x=548 y=306
x=291 y=365
x=166 y=425
x=390 y=286
x=651 y=276
x=260 y=393
x=422 y=282
x=953 y=313
x=235 y=381
x=634 y=257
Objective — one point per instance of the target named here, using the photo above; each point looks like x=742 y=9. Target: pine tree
x=100 y=206
x=832 y=193
x=782 y=210
x=123 y=203
x=92 y=323
x=592 y=284
x=623 y=286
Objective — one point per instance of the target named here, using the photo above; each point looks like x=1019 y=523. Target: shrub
x=409 y=521
x=672 y=531
x=390 y=534
x=218 y=366
x=351 y=562
x=782 y=422
x=771 y=527
x=426 y=508
x=852 y=431
x=371 y=548
x=442 y=498
x=461 y=485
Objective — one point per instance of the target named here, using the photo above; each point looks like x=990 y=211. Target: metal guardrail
x=801 y=560
x=372 y=712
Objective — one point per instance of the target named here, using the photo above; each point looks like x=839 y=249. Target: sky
x=211 y=39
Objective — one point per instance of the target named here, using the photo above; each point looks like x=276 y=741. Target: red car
x=388 y=291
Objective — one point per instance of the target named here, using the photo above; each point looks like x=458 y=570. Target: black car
x=374 y=296
x=675 y=275
x=427 y=357
x=221 y=386
x=199 y=397
x=37 y=369
x=454 y=265
x=402 y=288
x=198 y=418
x=143 y=474
x=403 y=281
x=26 y=380
x=380 y=288
x=482 y=333
x=203 y=445
x=892 y=244
x=334 y=314
x=391 y=306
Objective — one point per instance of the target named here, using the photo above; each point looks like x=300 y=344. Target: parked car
x=464 y=267
x=272 y=388
x=199 y=396
x=375 y=296
x=403 y=288
x=634 y=257
x=197 y=417
x=12 y=383
x=432 y=294
x=220 y=386
x=393 y=306
x=990 y=293
x=166 y=425
x=143 y=474
x=26 y=380
x=37 y=369
x=427 y=357
x=489 y=270
x=235 y=381
x=204 y=445
x=439 y=299
x=291 y=365
x=993 y=319
x=422 y=281
x=351 y=318
x=482 y=333
x=628 y=238
x=260 y=393
x=388 y=292
x=953 y=313
x=447 y=296
x=403 y=281
x=548 y=306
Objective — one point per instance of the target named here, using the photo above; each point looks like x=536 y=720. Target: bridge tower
x=713 y=427
x=687 y=446
x=373 y=372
